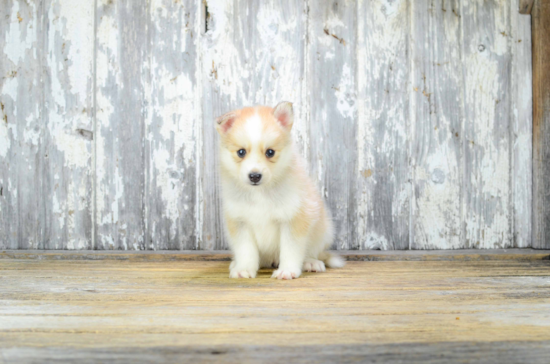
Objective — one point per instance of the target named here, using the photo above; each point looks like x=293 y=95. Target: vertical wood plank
x=21 y=125
x=252 y=54
x=521 y=113
x=171 y=138
x=436 y=125
x=486 y=67
x=541 y=124
x=383 y=125
x=68 y=124
x=332 y=96
x=120 y=103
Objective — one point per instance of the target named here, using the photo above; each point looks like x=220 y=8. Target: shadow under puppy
x=274 y=215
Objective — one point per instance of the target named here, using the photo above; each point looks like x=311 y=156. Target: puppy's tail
x=332 y=260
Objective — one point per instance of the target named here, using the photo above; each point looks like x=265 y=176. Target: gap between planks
x=221 y=255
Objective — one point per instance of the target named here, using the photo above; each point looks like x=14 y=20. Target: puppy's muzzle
x=255 y=178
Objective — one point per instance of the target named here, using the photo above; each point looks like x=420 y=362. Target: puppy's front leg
x=292 y=251
x=246 y=261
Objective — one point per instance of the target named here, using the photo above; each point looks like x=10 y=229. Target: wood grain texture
x=524 y=6
x=252 y=53
x=437 y=118
x=68 y=124
x=22 y=209
x=171 y=125
x=451 y=308
x=383 y=173
x=331 y=98
x=535 y=352
x=487 y=121
x=120 y=124
x=541 y=123
x=521 y=133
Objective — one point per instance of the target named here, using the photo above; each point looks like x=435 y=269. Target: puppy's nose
x=255 y=177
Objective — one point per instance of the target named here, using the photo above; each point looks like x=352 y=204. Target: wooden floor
x=157 y=309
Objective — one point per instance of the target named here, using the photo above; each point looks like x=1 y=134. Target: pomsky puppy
x=274 y=216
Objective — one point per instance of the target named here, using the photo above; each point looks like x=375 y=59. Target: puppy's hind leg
x=313 y=265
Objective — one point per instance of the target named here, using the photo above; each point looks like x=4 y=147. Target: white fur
x=253 y=129
x=262 y=216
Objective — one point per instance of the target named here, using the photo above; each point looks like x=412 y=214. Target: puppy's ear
x=224 y=122
x=284 y=114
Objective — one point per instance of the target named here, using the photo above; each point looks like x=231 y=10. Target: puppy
x=274 y=215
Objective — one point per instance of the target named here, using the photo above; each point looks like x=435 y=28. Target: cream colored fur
x=281 y=221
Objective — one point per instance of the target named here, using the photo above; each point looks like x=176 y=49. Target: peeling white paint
x=31 y=135
x=373 y=241
x=108 y=51
x=177 y=111
x=346 y=93
x=238 y=66
x=4 y=137
x=18 y=40
x=487 y=199
x=170 y=194
x=75 y=149
x=8 y=88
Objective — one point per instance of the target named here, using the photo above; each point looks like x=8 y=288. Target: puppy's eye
x=269 y=153
x=241 y=153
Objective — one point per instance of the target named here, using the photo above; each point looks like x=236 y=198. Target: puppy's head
x=255 y=143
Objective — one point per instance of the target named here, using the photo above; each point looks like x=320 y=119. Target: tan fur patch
x=301 y=223
x=232 y=226
x=247 y=112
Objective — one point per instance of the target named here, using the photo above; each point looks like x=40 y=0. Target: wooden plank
x=383 y=198
x=437 y=116
x=541 y=124
x=265 y=322
x=68 y=124
x=172 y=122
x=463 y=310
x=119 y=150
x=22 y=214
x=493 y=353
x=524 y=6
x=331 y=98
x=486 y=129
x=521 y=113
x=223 y=255
x=253 y=53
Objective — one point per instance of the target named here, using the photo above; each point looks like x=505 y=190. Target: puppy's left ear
x=284 y=114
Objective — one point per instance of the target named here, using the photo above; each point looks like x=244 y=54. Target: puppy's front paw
x=313 y=265
x=238 y=272
x=286 y=273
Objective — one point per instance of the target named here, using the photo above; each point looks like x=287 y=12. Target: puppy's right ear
x=224 y=122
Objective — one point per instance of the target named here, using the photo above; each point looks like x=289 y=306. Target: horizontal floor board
x=109 y=309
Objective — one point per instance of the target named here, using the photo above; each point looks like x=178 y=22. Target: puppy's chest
x=259 y=209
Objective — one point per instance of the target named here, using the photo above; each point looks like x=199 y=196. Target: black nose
x=255 y=177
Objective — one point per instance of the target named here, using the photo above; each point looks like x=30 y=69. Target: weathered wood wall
x=541 y=123
x=415 y=117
